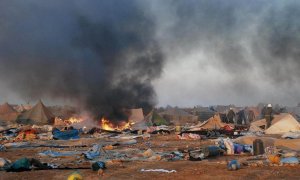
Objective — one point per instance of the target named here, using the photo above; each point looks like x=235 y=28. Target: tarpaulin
x=93 y=152
x=65 y=135
x=58 y=154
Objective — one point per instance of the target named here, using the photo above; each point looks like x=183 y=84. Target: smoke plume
x=241 y=52
x=100 y=54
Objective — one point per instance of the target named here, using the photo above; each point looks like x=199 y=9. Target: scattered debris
x=158 y=170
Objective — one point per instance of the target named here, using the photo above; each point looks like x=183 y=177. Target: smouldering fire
x=107 y=125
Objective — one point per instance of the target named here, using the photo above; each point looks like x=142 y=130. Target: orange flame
x=107 y=125
x=73 y=120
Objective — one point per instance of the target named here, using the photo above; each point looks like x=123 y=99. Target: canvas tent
x=211 y=124
x=39 y=114
x=7 y=113
x=287 y=123
x=281 y=123
x=136 y=115
x=6 y=109
x=178 y=116
x=136 y=118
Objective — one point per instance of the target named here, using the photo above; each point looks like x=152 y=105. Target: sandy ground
x=214 y=168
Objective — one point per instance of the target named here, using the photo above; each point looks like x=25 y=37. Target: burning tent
x=39 y=114
x=7 y=113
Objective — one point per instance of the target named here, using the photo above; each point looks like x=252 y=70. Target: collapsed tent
x=39 y=114
x=282 y=123
x=7 y=113
x=212 y=123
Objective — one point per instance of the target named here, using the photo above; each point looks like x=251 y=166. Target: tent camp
x=7 y=113
x=211 y=124
x=282 y=123
x=39 y=114
x=178 y=116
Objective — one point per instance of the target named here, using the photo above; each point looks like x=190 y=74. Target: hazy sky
x=210 y=52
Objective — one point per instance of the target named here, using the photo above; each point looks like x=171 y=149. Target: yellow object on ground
x=75 y=176
x=275 y=159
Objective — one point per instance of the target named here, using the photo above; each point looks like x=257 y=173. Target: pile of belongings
x=27 y=135
x=9 y=134
x=233 y=148
x=203 y=153
x=163 y=129
x=23 y=164
x=189 y=136
x=276 y=156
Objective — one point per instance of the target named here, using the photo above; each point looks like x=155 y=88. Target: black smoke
x=101 y=54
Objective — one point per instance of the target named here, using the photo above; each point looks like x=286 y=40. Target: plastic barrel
x=210 y=151
x=258 y=147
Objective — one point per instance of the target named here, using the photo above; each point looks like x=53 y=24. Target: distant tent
x=211 y=124
x=178 y=116
x=39 y=114
x=7 y=113
x=287 y=123
x=6 y=109
x=21 y=108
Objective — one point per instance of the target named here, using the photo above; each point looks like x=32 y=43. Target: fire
x=73 y=120
x=107 y=125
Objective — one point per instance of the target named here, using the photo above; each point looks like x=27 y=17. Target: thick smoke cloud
x=245 y=51
x=100 y=54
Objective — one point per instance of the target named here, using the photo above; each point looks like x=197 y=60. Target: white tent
x=287 y=123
